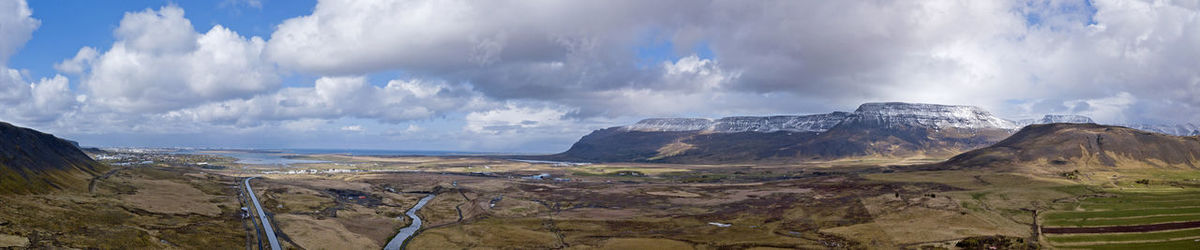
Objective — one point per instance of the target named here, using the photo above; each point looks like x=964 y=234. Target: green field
x=1120 y=213
x=1123 y=221
x=1122 y=208
x=1177 y=244
x=1113 y=237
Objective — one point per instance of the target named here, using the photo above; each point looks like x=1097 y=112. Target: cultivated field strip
x=1124 y=221
x=1125 y=237
x=1127 y=220
x=1174 y=244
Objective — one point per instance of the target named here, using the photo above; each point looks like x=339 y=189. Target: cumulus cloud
x=37 y=102
x=340 y=97
x=160 y=63
x=500 y=71
x=78 y=64
x=506 y=49
x=513 y=117
x=16 y=27
x=526 y=126
x=840 y=53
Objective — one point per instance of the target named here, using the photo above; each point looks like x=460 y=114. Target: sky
x=534 y=76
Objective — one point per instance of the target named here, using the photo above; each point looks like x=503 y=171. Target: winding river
x=408 y=231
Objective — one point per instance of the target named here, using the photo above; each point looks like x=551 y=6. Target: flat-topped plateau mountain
x=874 y=130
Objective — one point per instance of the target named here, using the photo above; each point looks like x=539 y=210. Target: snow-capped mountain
x=671 y=124
x=886 y=114
x=936 y=116
x=1186 y=129
x=1056 y=119
x=736 y=124
x=888 y=129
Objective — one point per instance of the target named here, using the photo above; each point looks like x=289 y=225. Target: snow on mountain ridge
x=1056 y=119
x=671 y=124
x=888 y=114
x=930 y=115
x=893 y=113
x=1186 y=129
x=763 y=124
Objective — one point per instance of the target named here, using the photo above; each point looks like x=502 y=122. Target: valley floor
x=498 y=203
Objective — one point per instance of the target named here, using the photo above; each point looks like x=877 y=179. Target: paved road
x=262 y=216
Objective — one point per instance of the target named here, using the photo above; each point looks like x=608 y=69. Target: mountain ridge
x=1061 y=147
x=33 y=162
x=885 y=129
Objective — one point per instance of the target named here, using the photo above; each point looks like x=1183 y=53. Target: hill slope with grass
x=1062 y=147
x=36 y=162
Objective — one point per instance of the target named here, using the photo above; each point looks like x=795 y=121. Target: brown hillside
x=1058 y=147
x=36 y=162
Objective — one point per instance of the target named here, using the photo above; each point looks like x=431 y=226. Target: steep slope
x=621 y=144
x=1060 y=147
x=874 y=129
x=36 y=162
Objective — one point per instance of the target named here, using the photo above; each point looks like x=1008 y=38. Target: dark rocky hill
x=1060 y=147
x=36 y=162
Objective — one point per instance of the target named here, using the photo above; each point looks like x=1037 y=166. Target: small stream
x=408 y=231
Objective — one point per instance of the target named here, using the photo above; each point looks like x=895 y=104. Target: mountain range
x=891 y=129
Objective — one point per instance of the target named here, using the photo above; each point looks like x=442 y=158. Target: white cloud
x=340 y=97
x=513 y=117
x=20 y=101
x=16 y=27
x=362 y=36
x=38 y=102
x=78 y=64
x=546 y=72
x=353 y=128
x=522 y=126
x=159 y=63
x=162 y=31
x=1108 y=109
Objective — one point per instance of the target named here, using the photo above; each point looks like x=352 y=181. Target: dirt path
x=92 y=183
x=1121 y=229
